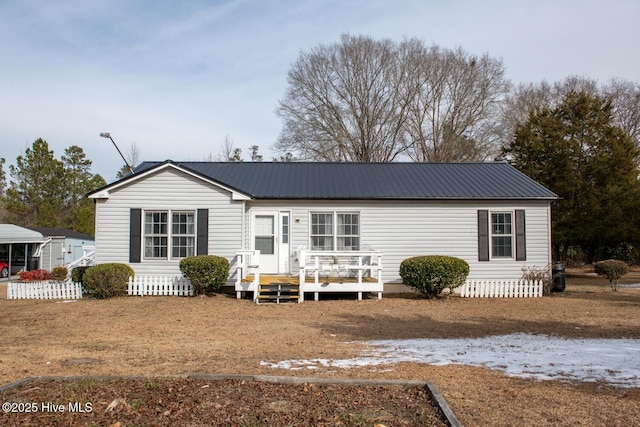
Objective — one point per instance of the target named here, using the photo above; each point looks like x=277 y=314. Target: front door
x=265 y=240
x=270 y=235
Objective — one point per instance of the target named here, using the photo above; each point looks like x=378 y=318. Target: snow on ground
x=629 y=285
x=615 y=361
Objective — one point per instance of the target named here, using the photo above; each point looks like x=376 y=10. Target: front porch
x=356 y=272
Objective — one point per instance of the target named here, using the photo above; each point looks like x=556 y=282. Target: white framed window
x=183 y=234
x=501 y=233
x=168 y=232
x=348 y=233
x=335 y=231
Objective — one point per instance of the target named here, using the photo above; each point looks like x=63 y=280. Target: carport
x=17 y=247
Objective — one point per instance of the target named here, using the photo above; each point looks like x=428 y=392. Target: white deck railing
x=328 y=268
x=501 y=289
x=247 y=263
x=46 y=289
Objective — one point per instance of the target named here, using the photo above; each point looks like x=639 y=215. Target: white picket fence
x=46 y=289
x=501 y=289
x=159 y=285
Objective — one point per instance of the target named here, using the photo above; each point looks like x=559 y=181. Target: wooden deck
x=266 y=279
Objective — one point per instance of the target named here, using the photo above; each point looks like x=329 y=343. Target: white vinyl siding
x=168 y=190
x=403 y=229
x=400 y=229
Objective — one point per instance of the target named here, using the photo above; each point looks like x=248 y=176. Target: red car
x=4 y=270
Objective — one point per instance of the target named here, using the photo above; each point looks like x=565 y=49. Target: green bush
x=108 y=280
x=59 y=273
x=431 y=274
x=77 y=274
x=207 y=273
x=612 y=270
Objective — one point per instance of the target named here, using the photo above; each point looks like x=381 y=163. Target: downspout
x=549 y=233
x=38 y=251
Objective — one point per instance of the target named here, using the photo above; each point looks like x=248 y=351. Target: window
x=285 y=229
x=158 y=232
x=265 y=234
x=155 y=235
x=330 y=230
x=501 y=235
x=322 y=231
x=183 y=239
x=348 y=234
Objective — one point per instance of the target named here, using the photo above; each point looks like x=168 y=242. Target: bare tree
x=625 y=96
x=345 y=102
x=367 y=100
x=133 y=154
x=132 y=157
x=226 y=150
x=528 y=99
x=457 y=96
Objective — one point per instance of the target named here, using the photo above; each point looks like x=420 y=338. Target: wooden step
x=277 y=292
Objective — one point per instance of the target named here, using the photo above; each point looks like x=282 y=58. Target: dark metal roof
x=304 y=180
x=64 y=232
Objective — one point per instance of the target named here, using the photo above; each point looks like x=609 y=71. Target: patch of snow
x=629 y=285
x=615 y=361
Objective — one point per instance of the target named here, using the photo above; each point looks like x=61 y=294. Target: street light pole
x=108 y=135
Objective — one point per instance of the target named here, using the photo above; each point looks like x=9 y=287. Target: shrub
x=539 y=274
x=77 y=274
x=59 y=273
x=34 y=275
x=207 y=273
x=108 y=280
x=432 y=273
x=612 y=270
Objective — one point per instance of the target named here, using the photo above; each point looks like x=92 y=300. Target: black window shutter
x=135 y=234
x=483 y=235
x=521 y=241
x=203 y=232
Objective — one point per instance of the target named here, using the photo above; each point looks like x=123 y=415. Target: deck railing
x=88 y=258
x=340 y=271
x=247 y=263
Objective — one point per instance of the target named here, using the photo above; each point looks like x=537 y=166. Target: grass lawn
x=153 y=336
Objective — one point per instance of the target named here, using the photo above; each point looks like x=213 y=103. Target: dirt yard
x=153 y=336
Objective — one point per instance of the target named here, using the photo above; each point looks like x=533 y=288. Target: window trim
x=169 y=235
x=511 y=235
x=334 y=230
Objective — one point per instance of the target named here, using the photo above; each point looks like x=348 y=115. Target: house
x=18 y=247
x=489 y=214
x=61 y=246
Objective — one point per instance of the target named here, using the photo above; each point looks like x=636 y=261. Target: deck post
x=302 y=273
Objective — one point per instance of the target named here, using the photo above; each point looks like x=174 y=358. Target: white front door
x=265 y=239
x=270 y=235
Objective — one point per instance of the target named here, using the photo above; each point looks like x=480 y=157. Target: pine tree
x=576 y=151
x=37 y=192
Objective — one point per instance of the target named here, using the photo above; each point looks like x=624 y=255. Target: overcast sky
x=175 y=77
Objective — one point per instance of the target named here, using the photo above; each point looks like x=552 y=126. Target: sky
x=174 y=78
